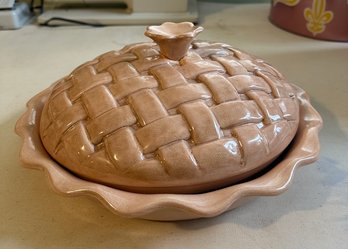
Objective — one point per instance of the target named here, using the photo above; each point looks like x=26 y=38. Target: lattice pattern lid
x=174 y=116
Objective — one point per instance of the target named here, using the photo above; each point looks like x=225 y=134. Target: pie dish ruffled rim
x=303 y=150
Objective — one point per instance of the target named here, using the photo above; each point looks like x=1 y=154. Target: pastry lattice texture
x=137 y=121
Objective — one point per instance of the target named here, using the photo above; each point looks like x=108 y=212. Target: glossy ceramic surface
x=140 y=121
x=174 y=39
x=304 y=149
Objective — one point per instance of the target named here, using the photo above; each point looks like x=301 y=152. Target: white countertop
x=313 y=213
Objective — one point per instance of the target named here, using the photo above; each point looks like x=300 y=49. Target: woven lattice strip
x=203 y=125
x=221 y=88
x=100 y=95
x=168 y=76
x=109 y=122
x=150 y=112
x=85 y=79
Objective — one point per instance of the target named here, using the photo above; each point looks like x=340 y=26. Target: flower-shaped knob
x=174 y=39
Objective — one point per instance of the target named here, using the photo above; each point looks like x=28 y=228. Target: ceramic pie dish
x=176 y=129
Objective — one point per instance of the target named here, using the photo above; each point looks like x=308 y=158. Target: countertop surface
x=312 y=213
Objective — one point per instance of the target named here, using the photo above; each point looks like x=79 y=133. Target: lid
x=174 y=116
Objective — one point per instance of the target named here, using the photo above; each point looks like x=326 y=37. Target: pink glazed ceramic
x=319 y=19
x=140 y=127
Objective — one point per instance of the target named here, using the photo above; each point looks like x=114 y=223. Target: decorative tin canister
x=319 y=19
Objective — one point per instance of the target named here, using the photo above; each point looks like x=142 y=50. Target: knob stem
x=174 y=39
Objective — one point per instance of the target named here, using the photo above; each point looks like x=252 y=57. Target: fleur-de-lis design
x=317 y=17
x=286 y=2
